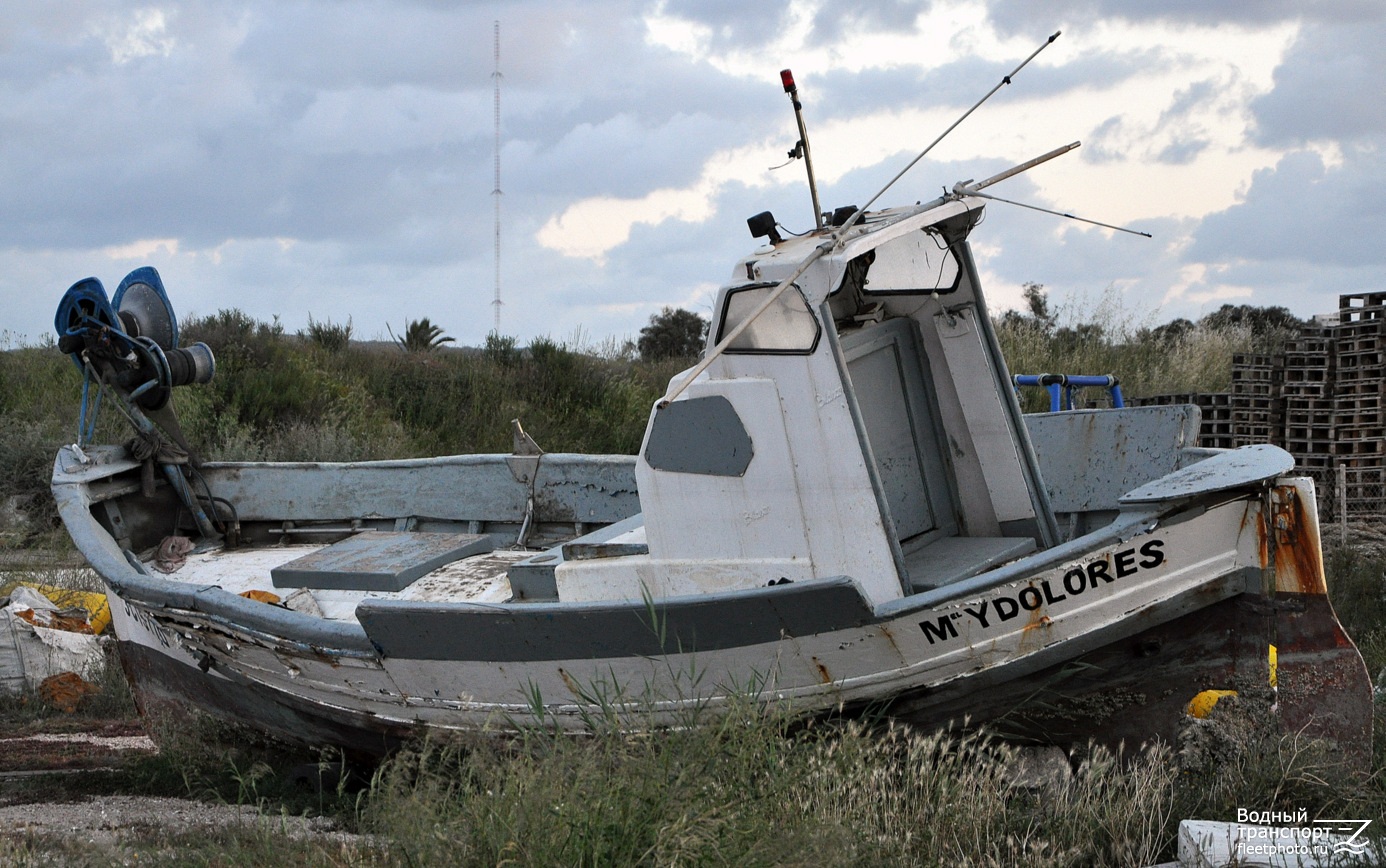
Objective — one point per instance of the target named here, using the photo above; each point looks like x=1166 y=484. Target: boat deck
x=477 y=579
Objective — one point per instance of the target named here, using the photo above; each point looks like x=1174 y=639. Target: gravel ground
x=101 y=821
x=105 y=824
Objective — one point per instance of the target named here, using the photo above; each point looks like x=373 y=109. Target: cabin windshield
x=914 y=263
x=787 y=326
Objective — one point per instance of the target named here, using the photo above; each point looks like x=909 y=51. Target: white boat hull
x=1150 y=589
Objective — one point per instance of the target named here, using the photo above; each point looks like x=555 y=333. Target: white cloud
x=951 y=30
x=592 y=227
x=369 y=120
x=143 y=249
x=1013 y=127
x=142 y=34
x=320 y=150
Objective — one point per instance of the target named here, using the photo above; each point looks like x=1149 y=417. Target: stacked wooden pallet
x=1319 y=399
x=1307 y=391
x=1256 y=401
x=1359 y=439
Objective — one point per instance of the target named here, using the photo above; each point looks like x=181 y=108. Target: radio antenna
x=496 y=191
x=966 y=192
x=1005 y=80
x=968 y=188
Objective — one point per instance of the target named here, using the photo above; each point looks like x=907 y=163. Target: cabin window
x=919 y=262
x=787 y=326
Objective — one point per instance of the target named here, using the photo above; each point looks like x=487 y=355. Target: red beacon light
x=787 y=79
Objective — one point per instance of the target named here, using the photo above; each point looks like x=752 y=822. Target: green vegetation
x=331 y=337
x=673 y=333
x=316 y=395
x=1101 y=336
x=274 y=397
x=421 y=336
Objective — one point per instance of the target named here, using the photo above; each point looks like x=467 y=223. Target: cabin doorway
x=890 y=377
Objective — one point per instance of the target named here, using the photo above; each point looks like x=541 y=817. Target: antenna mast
x=801 y=149
x=496 y=192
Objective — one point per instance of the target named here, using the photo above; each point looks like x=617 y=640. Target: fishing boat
x=840 y=508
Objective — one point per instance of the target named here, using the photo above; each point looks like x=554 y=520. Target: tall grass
x=1102 y=336
x=756 y=791
x=759 y=791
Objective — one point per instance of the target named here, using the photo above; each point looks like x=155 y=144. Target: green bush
x=331 y=337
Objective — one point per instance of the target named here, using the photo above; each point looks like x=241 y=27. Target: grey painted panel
x=1090 y=458
x=293 y=628
x=699 y=435
x=564 y=631
x=1234 y=469
x=378 y=561
x=888 y=377
x=597 y=489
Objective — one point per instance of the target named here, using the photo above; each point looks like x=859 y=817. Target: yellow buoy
x=1202 y=704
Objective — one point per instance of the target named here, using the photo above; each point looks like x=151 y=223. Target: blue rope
x=86 y=429
x=82 y=417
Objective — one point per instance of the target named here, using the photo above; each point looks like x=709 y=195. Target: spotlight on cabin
x=763 y=226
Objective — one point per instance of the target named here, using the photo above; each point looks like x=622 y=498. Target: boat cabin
x=863 y=425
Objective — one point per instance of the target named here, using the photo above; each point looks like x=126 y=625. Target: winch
x=128 y=346
x=131 y=341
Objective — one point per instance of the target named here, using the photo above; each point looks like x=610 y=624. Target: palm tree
x=420 y=336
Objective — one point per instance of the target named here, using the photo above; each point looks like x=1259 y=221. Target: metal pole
x=1342 y=504
x=965 y=188
x=173 y=472
x=1055 y=213
x=496 y=191
x=787 y=79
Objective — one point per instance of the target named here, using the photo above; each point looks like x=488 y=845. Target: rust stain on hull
x=1297 y=546
x=823 y=672
x=1032 y=636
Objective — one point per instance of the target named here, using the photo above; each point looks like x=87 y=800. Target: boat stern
x=1321 y=685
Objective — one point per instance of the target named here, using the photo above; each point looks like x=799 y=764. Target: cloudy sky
x=334 y=158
